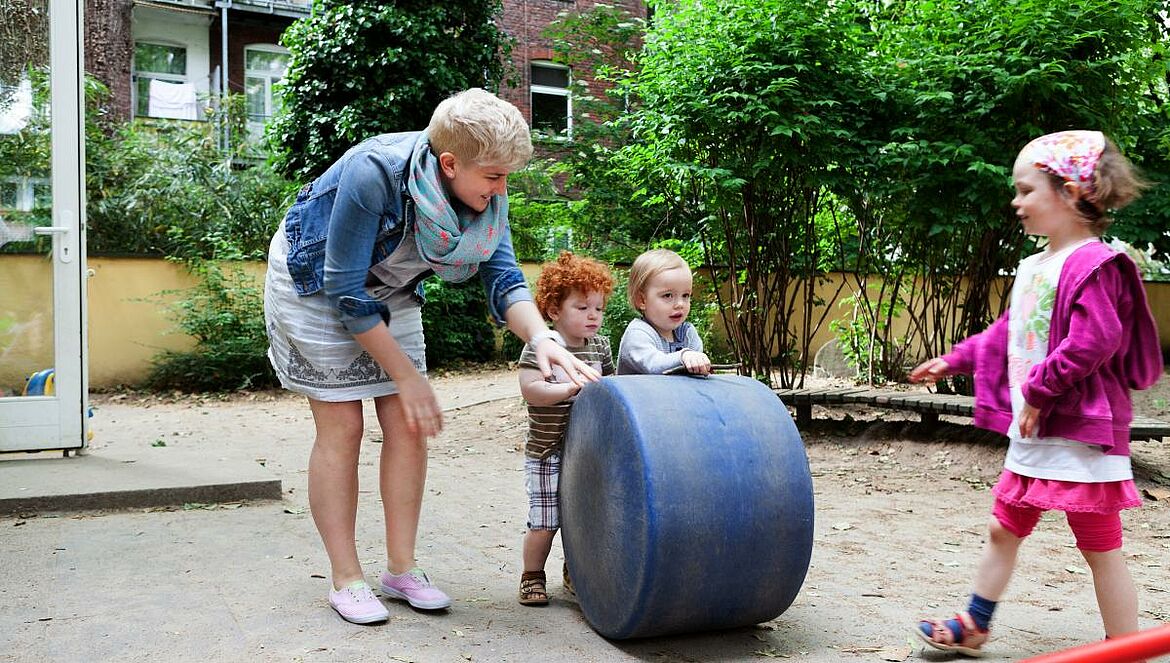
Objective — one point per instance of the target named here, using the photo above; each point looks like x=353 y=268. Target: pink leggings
x=1095 y=532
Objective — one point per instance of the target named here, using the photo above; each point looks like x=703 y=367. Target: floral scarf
x=1070 y=155
x=453 y=242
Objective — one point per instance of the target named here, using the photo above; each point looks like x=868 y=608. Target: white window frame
x=165 y=77
x=269 y=100
x=25 y=193
x=553 y=91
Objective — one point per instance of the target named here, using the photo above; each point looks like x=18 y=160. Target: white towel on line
x=172 y=100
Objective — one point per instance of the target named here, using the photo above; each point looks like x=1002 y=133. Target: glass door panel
x=42 y=398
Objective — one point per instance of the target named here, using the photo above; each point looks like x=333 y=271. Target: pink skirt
x=1054 y=495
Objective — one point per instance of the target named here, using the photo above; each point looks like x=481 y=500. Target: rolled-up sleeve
x=502 y=279
x=363 y=193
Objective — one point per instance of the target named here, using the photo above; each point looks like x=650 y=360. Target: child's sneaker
x=356 y=603
x=416 y=589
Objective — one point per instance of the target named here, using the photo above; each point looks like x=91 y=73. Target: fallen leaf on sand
x=1157 y=494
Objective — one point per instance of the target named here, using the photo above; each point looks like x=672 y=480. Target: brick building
x=542 y=92
x=163 y=58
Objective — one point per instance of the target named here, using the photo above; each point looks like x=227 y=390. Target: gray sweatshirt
x=643 y=350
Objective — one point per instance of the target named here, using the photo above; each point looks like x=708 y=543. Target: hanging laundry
x=172 y=100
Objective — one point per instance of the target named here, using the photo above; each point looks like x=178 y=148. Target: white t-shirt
x=1029 y=322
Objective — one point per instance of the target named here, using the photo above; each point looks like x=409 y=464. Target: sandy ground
x=900 y=518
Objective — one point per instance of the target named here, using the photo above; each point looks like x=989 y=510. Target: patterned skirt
x=312 y=352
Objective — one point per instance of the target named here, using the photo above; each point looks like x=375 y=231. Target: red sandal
x=942 y=637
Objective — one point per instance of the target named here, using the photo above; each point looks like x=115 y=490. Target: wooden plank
x=928 y=405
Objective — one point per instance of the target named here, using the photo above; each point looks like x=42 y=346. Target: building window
x=160 y=82
x=264 y=67
x=25 y=194
x=552 y=110
x=24 y=204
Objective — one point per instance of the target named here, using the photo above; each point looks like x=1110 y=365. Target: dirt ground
x=900 y=519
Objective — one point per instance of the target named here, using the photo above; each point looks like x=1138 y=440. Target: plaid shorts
x=542 y=477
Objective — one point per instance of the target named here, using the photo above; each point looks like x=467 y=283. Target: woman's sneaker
x=357 y=603
x=416 y=589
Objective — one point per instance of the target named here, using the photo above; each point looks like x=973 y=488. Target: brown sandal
x=970 y=642
x=532 y=589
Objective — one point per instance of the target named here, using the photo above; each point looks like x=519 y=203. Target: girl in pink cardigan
x=1054 y=375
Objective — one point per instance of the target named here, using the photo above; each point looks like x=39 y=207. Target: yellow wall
x=833 y=289
x=128 y=319
x=26 y=319
x=129 y=324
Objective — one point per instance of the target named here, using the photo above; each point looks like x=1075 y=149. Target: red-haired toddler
x=571 y=293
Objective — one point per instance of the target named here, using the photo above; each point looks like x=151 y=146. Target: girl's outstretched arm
x=931 y=370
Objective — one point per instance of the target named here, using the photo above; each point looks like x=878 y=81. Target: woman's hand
x=420 y=408
x=696 y=362
x=930 y=371
x=549 y=353
x=525 y=321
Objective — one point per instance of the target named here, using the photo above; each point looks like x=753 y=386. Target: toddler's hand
x=571 y=390
x=696 y=362
x=930 y=371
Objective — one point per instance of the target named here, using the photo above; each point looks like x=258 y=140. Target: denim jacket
x=354 y=215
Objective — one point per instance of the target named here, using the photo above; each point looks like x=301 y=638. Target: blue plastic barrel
x=686 y=504
x=40 y=383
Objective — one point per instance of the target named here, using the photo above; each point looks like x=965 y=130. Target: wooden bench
x=928 y=405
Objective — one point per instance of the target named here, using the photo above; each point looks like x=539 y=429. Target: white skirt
x=313 y=354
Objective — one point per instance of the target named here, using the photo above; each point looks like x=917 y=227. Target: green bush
x=224 y=313
x=166 y=188
x=359 y=68
x=456 y=323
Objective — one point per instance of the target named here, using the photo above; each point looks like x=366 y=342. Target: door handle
x=64 y=250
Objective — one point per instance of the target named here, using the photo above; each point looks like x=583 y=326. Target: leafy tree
x=361 y=68
x=877 y=137
x=747 y=108
x=965 y=87
x=616 y=217
x=166 y=188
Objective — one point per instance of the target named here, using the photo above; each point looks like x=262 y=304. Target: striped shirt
x=547 y=423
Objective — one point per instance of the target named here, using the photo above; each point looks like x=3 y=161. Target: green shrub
x=166 y=188
x=456 y=323
x=224 y=313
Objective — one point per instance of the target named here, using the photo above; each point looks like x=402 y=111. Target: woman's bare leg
x=333 y=484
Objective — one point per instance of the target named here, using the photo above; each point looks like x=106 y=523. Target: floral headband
x=1070 y=155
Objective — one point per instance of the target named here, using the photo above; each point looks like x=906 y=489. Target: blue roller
x=40 y=383
x=686 y=504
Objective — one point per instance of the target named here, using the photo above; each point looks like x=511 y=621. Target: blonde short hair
x=476 y=125
x=647 y=266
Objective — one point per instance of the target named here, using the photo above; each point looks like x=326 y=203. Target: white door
x=42 y=228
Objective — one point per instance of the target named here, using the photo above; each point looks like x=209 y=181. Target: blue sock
x=980 y=610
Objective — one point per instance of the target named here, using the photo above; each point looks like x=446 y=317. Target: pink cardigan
x=1103 y=342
